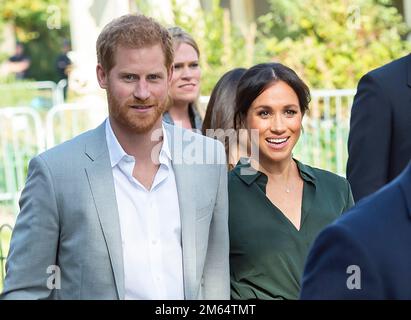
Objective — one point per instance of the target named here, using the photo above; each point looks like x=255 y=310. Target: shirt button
x=154 y=242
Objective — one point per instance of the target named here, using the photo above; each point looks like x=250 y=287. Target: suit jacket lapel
x=185 y=176
x=100 y=177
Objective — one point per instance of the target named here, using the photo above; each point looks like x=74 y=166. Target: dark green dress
x=267 y=252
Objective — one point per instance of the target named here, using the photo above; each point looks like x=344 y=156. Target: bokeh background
x=329 y=43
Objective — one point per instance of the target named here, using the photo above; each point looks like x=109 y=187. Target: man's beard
x=134 y=121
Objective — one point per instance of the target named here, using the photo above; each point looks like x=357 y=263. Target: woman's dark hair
x=259 y=78
x=221 y=106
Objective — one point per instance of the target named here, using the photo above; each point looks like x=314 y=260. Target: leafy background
x=330 y=44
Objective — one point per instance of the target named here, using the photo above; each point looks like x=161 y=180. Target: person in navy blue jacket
x=365 y=254
x=379 y=143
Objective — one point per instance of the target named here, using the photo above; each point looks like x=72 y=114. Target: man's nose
x=141 y=91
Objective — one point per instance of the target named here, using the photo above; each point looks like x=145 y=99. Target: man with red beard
x=124 y=211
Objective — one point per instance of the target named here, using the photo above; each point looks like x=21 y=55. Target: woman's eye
x=290 y=112
x=263 y=113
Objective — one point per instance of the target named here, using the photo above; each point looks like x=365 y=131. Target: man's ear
x=101 y=76
x=170 y=74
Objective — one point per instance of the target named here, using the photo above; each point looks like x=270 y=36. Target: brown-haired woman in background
x=220 y=114
x=277 y=204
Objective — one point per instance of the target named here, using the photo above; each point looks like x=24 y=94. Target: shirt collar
x=249 y=175
x=165 y=154
x=117 y=152
x=306 y=172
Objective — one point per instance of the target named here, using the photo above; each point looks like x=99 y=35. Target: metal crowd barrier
x=65 y=121
x=323 y=142
x=21 y=137
x=25 y=133
x=33 y=92
x=5 y=232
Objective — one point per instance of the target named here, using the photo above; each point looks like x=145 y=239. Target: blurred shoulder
x=178 y=133
x=193 y=147
x=391 y=70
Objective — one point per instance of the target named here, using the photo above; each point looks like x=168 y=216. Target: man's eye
x=194 y=65
x=153 y=77
x=129 y=77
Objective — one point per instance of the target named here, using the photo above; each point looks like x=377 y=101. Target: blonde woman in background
x=185 y=84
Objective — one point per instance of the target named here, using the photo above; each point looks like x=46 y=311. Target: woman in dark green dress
x=278 y=205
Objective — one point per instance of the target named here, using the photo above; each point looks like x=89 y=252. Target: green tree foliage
x=41 y=25
x=221 y=44
x=331 y=44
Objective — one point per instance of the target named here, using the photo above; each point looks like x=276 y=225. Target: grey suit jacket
x=66 y=243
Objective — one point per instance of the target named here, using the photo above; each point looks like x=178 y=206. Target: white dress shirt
x=150 y=226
